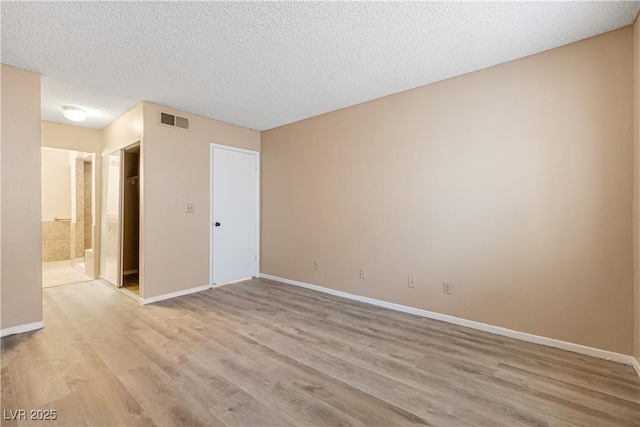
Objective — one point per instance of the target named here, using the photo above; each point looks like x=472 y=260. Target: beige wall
x=68 y=137
x=514 y=183
x=56 y=202
x=56 y=184
x=75 y=138
x=124 y=131
x=175 y=172
x=21 y=273
x=636 y=186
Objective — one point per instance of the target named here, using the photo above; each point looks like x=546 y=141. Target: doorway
x=67 y=216
x=131 y=220
x=120 y=252
x=234 y=214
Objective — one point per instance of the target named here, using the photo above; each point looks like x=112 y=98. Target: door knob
x=217 y=224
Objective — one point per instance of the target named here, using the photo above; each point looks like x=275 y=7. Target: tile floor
x=56 y=273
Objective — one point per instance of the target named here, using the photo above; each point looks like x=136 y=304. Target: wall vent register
x=174 y=121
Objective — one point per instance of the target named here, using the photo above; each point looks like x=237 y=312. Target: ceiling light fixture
x=74 y=114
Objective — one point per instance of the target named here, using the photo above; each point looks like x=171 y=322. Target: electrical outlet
x=316 y=265
x=189 y=208
x=363 y=273
x=411 y=282
x=447 y=288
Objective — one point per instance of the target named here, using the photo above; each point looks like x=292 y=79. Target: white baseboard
x=21 y=328
x=523 y=336
x=636 y=366
x=128 y=272
x=130 y=294
x=231 y=282
x=175 y=294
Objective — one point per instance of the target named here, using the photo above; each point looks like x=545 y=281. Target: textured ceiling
x=265 y=64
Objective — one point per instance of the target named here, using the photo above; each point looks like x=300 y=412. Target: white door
x=234 y=210
x=110 y=243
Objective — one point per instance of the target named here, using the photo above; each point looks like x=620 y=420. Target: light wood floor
x=262 y=353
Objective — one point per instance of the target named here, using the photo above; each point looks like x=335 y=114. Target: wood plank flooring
x=261 y=353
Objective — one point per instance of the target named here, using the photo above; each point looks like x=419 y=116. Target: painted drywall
x=69 y=137
x=21 y=272
x=75 y=138
x=121 y=133
x=175 y=170
x=636 y=187
x=56 y=184
x=514 y=183
x=124 y=131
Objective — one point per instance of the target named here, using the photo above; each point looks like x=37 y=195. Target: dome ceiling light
x=74 y=114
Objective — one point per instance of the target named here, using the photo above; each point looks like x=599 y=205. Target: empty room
x=320 y=213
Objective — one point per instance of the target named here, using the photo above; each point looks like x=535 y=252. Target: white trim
x=136 y=142
x=258 y=212
x=636 y=366
x=128 y=272
x=131 y=294
x=175 y=294
x=230 y=148
x=103 y=215
x=231 y=282
x=127 y=145
x=126 y=292
x=523 y=336
x=258 y=199
x=123 y=177
x=211 y=214
x=21 y=328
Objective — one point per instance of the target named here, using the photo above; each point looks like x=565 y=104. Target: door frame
x=123 y=151
x=137 y=142
x=103 y=222
x=95 y=216
x=212 y=147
